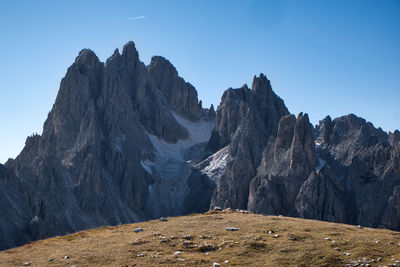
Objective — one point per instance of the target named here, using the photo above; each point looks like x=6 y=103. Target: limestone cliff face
x=86 y=169
x=344 y=170
x=126 y=142
x=286 y=164
x=246 y=120
x=182 y=96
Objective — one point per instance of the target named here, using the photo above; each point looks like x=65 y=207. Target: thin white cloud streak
x=136 y=18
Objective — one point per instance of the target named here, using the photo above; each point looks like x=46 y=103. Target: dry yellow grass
x=293 y=242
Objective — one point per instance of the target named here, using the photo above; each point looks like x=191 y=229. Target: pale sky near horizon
x=322 y=57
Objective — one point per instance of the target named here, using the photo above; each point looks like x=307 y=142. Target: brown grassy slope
x=293 y=242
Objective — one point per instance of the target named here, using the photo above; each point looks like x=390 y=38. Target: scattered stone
x=270 y=232
x=140 y=255
x=27 y=264
x=244 y=211
x=327 y=239
x=66 y=257
x=187 y=237
x=50 y=259
x=336 y=248
x=276 y=236
x=171 y=244
x=216 y=264
x=163 y=239
x=164 y=219
x=228 y=209
x=157 y=234
x=217 y=208
x=376 y=241
x=226 y=262
x=232 y=229
x=206 y=247
x=177 y=253
x=138 y=230
x=359 y=226
x=237 y=243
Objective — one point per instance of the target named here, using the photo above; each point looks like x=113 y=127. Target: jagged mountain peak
x=162 y=62
x=87 y=56
x=129 y=50
x=180 y=95
x=261 y=83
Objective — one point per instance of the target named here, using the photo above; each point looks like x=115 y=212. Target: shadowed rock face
x=182 y=96
x=126 y=142
x=87 y=170
x=343 y=170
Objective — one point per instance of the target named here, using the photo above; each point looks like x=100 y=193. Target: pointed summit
x=130 y=51
x=261 y=84
x=180 y=95
x=87 y=56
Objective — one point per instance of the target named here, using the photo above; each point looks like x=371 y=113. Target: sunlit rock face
x=125 y=142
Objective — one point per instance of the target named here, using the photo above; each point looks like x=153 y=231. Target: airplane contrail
x=136 y=18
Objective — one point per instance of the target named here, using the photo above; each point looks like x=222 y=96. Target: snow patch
x=167 y=150
x=217 y=163
x=199 y=132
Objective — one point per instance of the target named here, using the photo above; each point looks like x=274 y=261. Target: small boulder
x=232 y=229
x=163 y=219
x=216 y=264
x=138 y=230
x=177 y=253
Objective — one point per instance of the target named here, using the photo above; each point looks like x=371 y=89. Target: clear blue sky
x=322 y=57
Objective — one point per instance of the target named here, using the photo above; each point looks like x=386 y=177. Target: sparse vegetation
x=201 y=240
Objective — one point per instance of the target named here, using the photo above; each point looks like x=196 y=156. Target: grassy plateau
x=229 y=238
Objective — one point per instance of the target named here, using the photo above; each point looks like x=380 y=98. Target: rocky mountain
x=125 y=142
